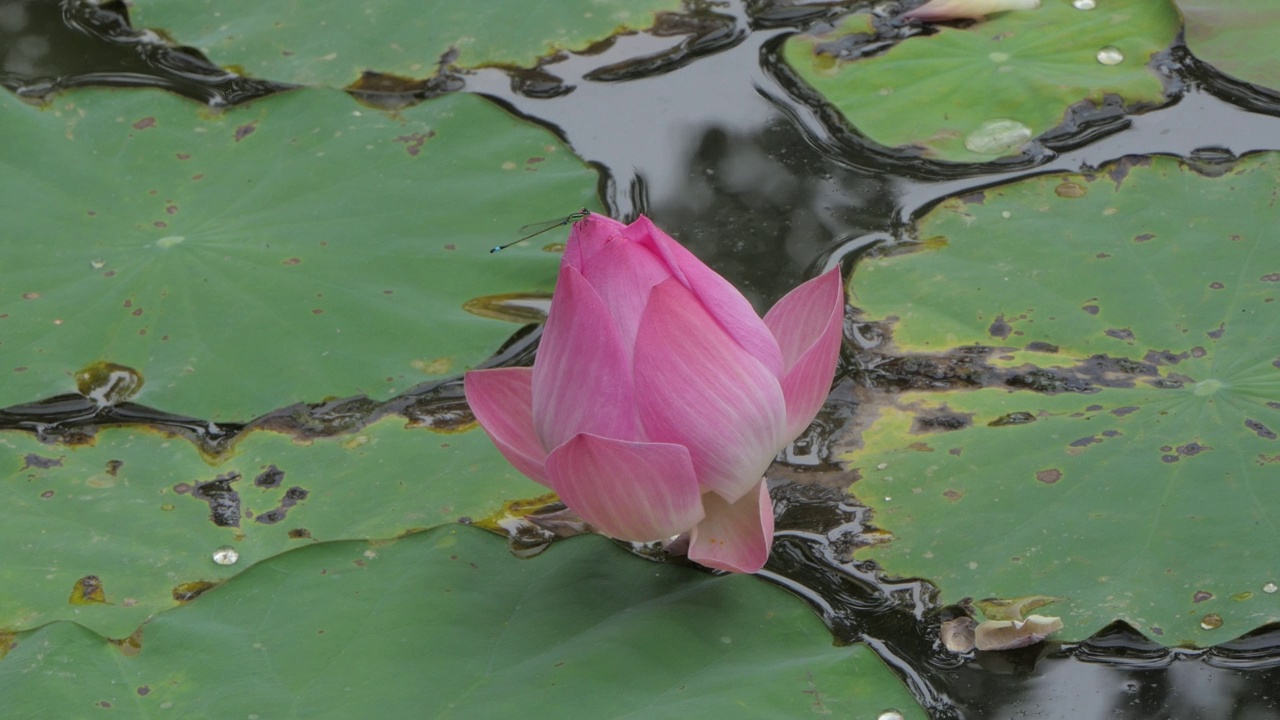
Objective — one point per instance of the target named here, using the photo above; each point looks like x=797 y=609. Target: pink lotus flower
x=659 y=397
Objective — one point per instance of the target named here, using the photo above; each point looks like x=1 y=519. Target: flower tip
x=944 y=10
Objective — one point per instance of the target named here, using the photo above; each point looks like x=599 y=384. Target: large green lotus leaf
x=331 y=42
x=447 y=624
x=131 y=510
x=974 y=94
x=296 y=248
x=1235 y=36
x=1150 y=498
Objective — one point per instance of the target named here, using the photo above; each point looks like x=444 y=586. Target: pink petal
x=966 y=9
x=627 y=490
x=730 y=309
x=588 y=236
x=734 y=537
x=623 y=273
x=581 y=375
x=809 y=324
x=696 y=387
x=502 y=401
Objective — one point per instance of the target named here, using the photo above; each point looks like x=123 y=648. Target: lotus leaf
x=1123 y=453
x=332 y=42
x=977 y=93
x=293 y=249
x=446 y=624
x=1235 y=36
x=144 y=514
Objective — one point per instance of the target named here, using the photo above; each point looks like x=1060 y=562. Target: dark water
x=699 y=127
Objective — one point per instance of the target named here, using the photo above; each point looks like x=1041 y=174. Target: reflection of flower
x=658 y=397
x=966 y=9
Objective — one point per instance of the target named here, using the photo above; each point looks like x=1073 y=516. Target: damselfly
x=536 y=229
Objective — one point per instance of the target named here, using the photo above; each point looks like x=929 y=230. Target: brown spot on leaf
x=39 y=462
x=269 y=478
x=1119 y=170
x=952 y=495
x=1216 y=334
x=46 y=494
x=413 y=142
x=1263 y=431
x=188 y=591
x=144 y=691
x=1091 y=309
x=144 y=123
x=1013 y=418
x=1085 y=441
x=182 y=156
x=1050 y=476
x=1272 y=277
x=1201 y=596
x=87 y=591
x=1043 y=347
x=941 y=421
x=224 y=501
x=245 y=131
x=1216 y=285
x=299 y=534
x=1000 y=329
x=1120 y=334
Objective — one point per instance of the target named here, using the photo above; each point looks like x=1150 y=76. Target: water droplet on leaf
x=889 y=715
x=1084 y=4
x=1270 y=587
x=1110 y=55
x=1212 y=621
x=226 y=555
